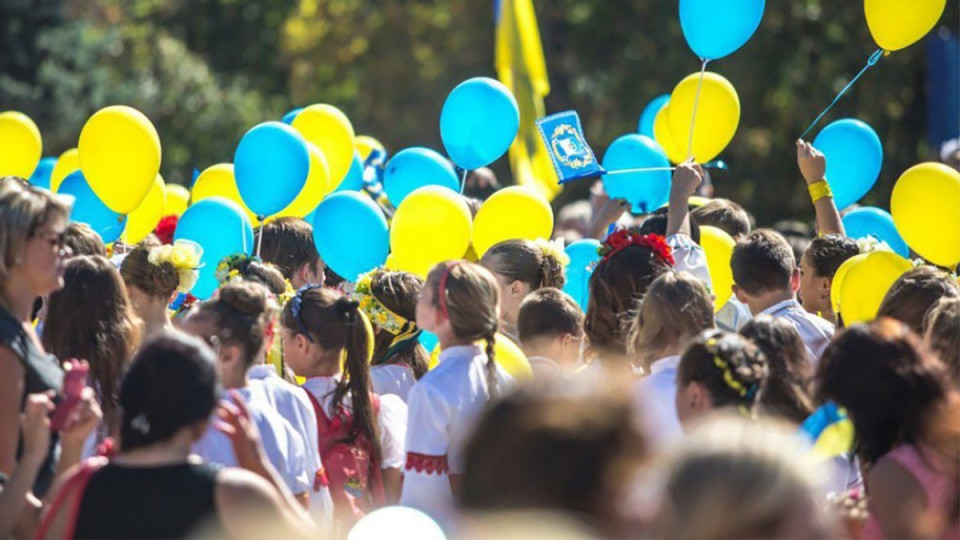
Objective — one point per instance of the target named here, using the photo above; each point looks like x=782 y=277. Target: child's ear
x=516 y=288
x=738 y=292
x=795 y=280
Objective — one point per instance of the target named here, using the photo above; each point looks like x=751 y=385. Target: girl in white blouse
x=460 y=304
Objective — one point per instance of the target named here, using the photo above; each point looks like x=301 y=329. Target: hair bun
x=348 y=308
x=245 y=297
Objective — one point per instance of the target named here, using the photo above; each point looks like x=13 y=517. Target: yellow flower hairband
x=378 y=314
x=184 y=256
x=554 y=249
x=744 y=392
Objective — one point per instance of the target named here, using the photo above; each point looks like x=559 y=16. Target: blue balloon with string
x=271 y=165
x=717 y=28
x=88 y=208
x=583 y=257
x=41 y=175
x=871 y=221
x=351 y=234
x=854 y=159
x=478 y=122
x=649 y=114
x=414 y=168
x=221 y=227
x=644 y=190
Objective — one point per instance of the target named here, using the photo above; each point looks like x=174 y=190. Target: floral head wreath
x=184 y=256
x=621 y=240
x=553 y=249
x=403 y=329
x=746 y=392
x=227 y=269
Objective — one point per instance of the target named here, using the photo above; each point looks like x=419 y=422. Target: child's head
x=521 y=267
x=631 y=262
x=550 y=324
x=785 y=393
x=763 y=265
x=676 y=308
x=249 y=268
x=389 y=300
x=886 y=380
x=818 y=265
x=719 y=370
x=82 y=240
x=151 y=279
x=725 y=215
x=288 y=244
x=914 y=293
x=656 y=223
x=942 y=334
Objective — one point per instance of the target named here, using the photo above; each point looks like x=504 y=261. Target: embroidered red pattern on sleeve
x=423 y=463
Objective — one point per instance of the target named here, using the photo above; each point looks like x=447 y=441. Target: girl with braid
x=460 y=303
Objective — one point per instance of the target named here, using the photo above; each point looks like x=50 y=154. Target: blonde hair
x=24 y=209
x=676 y=308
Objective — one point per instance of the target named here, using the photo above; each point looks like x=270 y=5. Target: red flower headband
x=621 y=240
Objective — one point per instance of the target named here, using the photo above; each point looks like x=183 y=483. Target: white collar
x=262 y=371
x=459 y=351
x=782 y=306
x=664 y=364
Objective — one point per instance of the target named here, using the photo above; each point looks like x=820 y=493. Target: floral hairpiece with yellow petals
x=378 y=314
x=553 y=249
x=184 y=256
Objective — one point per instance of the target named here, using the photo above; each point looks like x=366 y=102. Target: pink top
x=938 y=487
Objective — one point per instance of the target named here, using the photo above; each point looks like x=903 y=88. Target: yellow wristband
x=819 y=190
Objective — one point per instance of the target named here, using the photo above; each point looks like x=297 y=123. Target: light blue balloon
x=646 y=191
x=717 y=28
x=414 y=168
x=583 y=254
x=870 y=221
x=89 y=209
x=854 y=158
x=222 y=228
x=41 y=175
x=288 y=118
x=429 y=340
x=479 y=122
x=649 y=114
x=271 y=165
x=351 y=234
x=354 y=179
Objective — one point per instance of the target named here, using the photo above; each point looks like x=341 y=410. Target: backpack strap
x=75 y=486
x=320 y=479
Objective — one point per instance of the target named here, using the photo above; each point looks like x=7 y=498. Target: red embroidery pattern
x=621 y=240
x=428 y=464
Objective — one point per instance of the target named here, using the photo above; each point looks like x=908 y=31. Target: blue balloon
x=288 y=118
x=479 y=122
x=429 y=340
x=41 y=175
x=646 y=191
x=854 y=158
x=222 y=228
x=583 y=254
x=870 y=221
x=351 y=234
x=89 y=209
x=717 y=28
x=271 y=165
x=649 y=114
x=414 y=168
x=354 y=179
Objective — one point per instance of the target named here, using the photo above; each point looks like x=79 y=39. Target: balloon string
x=874 y=58
x=260 y=234
x=696 y=104
x=463 y=181
x=712 y=165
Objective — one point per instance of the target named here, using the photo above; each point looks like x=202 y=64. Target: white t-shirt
x=815 y=332
x=392 y=379
x=444 y=406
x=655 y=397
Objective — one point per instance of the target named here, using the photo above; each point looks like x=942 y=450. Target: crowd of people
x=296 y=404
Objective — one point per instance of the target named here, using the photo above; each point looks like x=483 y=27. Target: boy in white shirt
x=550 y=325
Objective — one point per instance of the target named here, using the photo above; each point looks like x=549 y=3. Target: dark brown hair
x=549 y=313
x=914 y=293
x=886 y=380
x=156 y=280
x=242 y=311
x=82 y=240
x=828 y=252
x=526 y=262
x=732 y=369
x=725 y=215
x=266 y=274
x=941 y=328
x=762 y=262
x=91 y=319
x=785 y=394
x=399 y=292
x=288 y=243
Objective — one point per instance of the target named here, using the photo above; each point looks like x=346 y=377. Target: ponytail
x=490 y=368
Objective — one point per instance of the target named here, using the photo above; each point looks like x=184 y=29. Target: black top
x=42 y=372
x=170 y=501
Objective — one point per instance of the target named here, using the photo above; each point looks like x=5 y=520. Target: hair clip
x=621 y=240
x=296 y=308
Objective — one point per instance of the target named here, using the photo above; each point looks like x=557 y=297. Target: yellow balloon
x=68 y=162
x=897 y=24
x=317 y=187
x=176 y=198
x=431 y=225
x=838 y=279
x=866 y=282
x=145 y=218
x=513 y=212
x=218 y=181
x=20 y=145
x=505 y=352
x=328 y=128
x=661 y=133
x=366 y=144
x=119 y=156
x=718 y=246
x=718 y=115
x=926 y=210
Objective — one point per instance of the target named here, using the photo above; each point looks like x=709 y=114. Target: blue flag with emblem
x=569 y=152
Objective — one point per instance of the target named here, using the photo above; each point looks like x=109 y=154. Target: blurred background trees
x=206 y=70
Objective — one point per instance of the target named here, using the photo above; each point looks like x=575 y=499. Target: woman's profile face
x=42 y=265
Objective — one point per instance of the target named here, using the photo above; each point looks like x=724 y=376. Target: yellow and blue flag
x=831 y=431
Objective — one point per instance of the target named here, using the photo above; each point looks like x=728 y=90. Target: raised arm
x=813 y=167
x=686 y=179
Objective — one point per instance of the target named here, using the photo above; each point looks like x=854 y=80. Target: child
x=725 y=215
x=82 y=240
x=818 y=265
x=942 y=334
x=550 y=324
x=389 y=299
x=719 y=370
x=287 y=242
x=676 y=308
x=521 y=267
x=328 y=339
x=460 y=304
x=785 y=394
x=154 y=273
x=766 y=279
x=914 y=293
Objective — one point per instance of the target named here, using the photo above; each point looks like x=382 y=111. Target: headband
x=745 y=392
x=403 y=329
x=621 y=240
x=442 y=291
x=296 y=308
